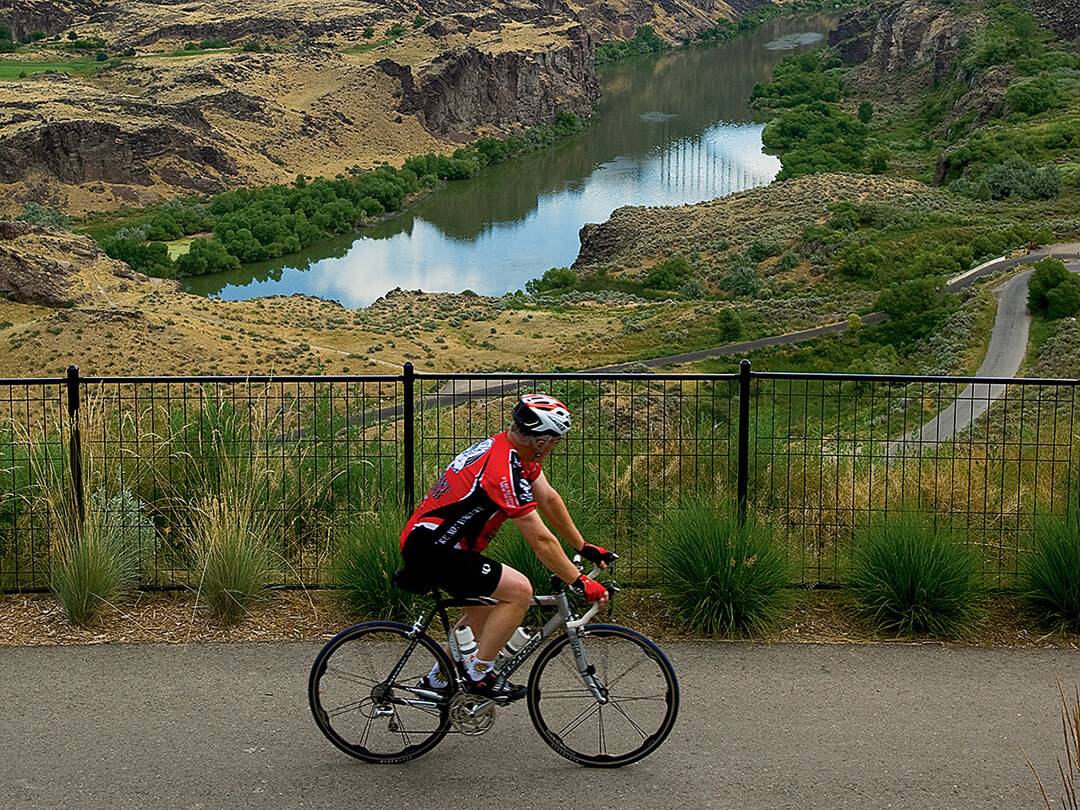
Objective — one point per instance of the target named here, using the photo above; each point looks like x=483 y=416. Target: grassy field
x=11 y=69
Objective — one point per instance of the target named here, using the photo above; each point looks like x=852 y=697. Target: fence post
x=743 y=472
x=408 y=378
x=75 y=441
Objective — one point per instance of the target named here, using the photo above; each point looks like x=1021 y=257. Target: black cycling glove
x=596 y=554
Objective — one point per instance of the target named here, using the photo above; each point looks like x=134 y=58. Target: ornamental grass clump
x=909 y=577
x=720 y=575
x=366 y=556
x=230 y=545
x=91 y=564
x=1050 y=575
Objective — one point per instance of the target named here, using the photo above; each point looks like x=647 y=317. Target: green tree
x=866 y=112
x=1063 y=301
x=369 y=31
x=729 y=326
x=101 y=56
x=669 y=274
x=877 y=160
x=910 y=298
x=1053 y=291
x=205 y=256
x=1034 y=96
x=557 y=278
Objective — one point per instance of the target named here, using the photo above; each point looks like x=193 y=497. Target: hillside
x=121 y=102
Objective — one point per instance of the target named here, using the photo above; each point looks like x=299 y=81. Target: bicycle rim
x=642 y=691
x=364 y=714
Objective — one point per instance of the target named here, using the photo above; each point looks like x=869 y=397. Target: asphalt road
x=781 y=726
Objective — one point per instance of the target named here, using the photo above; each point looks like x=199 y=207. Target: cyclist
x=443 y=542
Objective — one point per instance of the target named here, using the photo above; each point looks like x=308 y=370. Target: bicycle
x=366 y=698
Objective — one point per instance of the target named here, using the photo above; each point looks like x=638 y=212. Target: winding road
x=1005 y=353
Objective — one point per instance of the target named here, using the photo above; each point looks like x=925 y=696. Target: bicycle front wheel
x=365 y=712
x=641 y=689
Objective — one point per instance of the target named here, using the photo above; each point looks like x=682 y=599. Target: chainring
x=472 y=715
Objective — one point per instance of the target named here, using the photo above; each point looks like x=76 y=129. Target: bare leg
x=514 y=593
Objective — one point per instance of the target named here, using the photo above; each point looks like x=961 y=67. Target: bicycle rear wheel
x=642 y=692
x=364 y=713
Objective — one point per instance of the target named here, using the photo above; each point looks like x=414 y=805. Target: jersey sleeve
x=507 y=484
x=532 y=471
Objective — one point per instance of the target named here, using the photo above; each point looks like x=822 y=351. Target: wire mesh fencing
x=815 y=456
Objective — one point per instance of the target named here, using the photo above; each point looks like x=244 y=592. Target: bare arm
x=554 y=510
x=547 y=547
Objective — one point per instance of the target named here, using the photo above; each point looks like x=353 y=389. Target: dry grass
x=1069 y=770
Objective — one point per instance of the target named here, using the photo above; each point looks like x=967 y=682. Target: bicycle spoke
x=627 y=727
x=370 y=716
x=630 y=669
x=367 y=728
x=401 y=728
x=600 y=729
x=630 y=720
x=360 y=680
x=349 y=707
x=577 y=721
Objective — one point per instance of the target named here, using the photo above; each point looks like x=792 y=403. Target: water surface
x=670 y=129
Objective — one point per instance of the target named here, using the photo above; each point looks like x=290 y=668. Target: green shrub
x=866 y=112
x=419 y=21
x=557 y=278
x=369 y=31
x=1053 y=291
x=205 y=256
x=645 y=40
x=213 y=43
x=760 y=250
x=43 y=215
x=229 y=539
x=395 y=30
x=742 y=281
x=720 y=576
x=729 y=326
x=124 y=515
x=796 y=81
x=1018 y=178
x=669 y=274
x=1034 y=96
x=1050 y=574
x=910 y=577
x=101 y=56
x=366 y=555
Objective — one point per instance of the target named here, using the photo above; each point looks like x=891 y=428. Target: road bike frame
x=564 y=616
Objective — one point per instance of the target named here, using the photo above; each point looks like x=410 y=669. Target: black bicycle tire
x=535 y=696
x=319 y=666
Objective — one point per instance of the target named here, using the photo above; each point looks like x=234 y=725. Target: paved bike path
x=780 y=726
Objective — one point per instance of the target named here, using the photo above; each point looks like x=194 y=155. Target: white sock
x=478 y=668
x=435 y=677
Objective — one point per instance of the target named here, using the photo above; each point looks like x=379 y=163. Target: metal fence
x=815 y=456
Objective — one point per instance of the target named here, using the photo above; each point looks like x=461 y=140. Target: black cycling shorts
x=459 y=573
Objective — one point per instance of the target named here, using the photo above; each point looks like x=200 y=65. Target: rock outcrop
x=32 y=272
x=1061 y=16
x=467 y=88
x=910 y=37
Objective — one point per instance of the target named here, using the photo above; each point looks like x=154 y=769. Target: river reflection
x=669 y=130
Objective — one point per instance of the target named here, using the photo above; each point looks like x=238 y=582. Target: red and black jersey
x=482 y=487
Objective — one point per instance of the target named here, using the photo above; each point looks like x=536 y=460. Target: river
x=670 y=129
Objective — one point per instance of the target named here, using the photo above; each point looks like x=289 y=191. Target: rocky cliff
x=467 y=88
x=912 y=38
